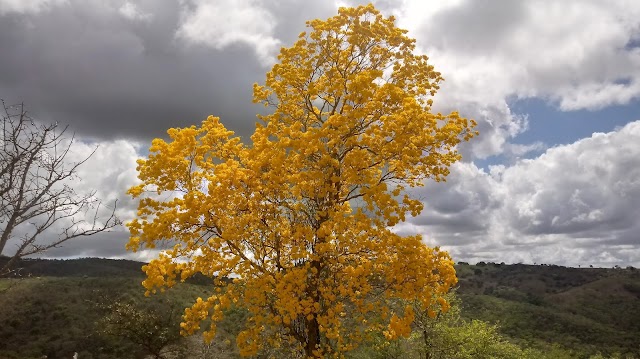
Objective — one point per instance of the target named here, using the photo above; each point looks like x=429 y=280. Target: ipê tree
x=302 y=215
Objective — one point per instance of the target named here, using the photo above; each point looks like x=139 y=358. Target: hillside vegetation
x=586 y=310
x=92 y=306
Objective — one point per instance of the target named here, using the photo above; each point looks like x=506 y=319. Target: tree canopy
x=301 y=216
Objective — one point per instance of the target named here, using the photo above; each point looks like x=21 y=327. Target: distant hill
x=587 y=310
x=90 y=267
x=53 y=310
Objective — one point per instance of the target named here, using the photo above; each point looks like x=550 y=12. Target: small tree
x=152 y=329
x=36 y=197
x=302 y=216
x=446 y=335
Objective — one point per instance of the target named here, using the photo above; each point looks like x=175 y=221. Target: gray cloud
x=107 y=245
x=103 y=245
x=108 y=75
x=480 y=27
x=459 y=203
x=565 y=206
x=26 y=7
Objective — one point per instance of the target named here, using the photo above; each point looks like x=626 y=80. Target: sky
x=553 y=178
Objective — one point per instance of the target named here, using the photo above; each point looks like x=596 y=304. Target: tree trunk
x=312 y=326
x=313 y=340
x=427 y=352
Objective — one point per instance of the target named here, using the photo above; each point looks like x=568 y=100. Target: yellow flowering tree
x=301 y=216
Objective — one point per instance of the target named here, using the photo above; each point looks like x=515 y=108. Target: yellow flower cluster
x=301 y=216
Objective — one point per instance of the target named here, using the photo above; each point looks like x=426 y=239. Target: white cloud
x=575 y=54
x=597 y=96
x=27 y=6
x=109 y=172
x=534 y=48
x=588 y=189
x=132 y=12
x=220 y=25
x=566 y=206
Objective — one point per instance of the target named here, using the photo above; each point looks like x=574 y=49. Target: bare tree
x=36 y=196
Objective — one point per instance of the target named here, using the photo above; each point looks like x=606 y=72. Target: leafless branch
x=36 y=197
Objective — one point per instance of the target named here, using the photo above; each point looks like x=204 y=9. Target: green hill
x=586 y=310
x=59 y=307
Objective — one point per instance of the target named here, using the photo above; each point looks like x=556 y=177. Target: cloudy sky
x=555 y=87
